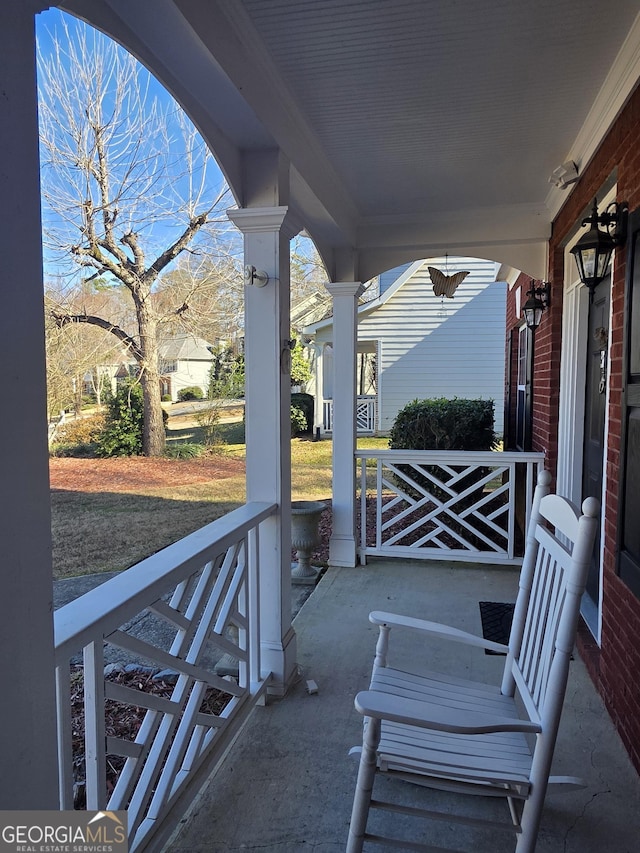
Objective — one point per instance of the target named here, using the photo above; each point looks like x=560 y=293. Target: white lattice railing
x=366 y=409
x=181 y=610
x=445 y=505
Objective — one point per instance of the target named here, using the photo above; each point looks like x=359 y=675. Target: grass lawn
x=310 y=460
x=115 y=524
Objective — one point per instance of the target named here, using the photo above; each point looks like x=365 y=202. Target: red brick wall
x=616 y=669
x=546 y=373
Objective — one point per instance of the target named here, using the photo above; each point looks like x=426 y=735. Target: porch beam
x=267 y=232
x=342 y=545
x=28 y=730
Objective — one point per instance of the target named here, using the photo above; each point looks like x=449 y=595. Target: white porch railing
x=366 y=413
x=445 y=505
x=200 y=600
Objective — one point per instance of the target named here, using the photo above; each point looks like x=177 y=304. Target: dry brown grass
x=108 y=514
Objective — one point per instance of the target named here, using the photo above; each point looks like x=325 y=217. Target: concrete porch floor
x=287 y=784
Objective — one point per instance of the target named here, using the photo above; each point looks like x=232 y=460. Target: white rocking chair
x=455 y=735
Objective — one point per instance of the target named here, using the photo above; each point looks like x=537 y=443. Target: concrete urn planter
x=305 y=537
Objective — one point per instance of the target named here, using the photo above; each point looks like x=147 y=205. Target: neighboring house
x=104 y=377
x=414 y=344
x=310 y=309
x=185 y=361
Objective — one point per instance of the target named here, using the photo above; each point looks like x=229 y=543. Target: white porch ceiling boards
x=413 y=126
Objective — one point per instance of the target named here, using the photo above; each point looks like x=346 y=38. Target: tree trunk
x=77 y=394
x=153 y=434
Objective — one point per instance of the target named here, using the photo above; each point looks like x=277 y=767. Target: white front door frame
x=575 y=328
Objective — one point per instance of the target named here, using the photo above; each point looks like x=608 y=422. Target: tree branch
x=172 y=252
x=64 y=319
x=130 y=239
x=92 y=256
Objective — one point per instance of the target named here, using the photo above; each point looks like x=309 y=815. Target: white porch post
x=28 y=729
x=342 y=546
x=318 y=414
x=267 y=232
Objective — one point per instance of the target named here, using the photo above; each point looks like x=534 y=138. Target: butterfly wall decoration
x=446 y=285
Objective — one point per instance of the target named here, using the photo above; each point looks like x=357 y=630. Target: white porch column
x=342 y=547
x=267 y=232
x=318 y=413
x=28 y=708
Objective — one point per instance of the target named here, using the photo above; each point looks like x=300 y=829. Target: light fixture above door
x=594 y=249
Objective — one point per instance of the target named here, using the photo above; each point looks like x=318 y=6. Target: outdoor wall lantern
x=593 y=250
x=539 y=299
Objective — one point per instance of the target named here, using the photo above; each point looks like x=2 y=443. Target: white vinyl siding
x=433 y=347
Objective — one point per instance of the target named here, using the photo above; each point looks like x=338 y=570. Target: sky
x=53 y=22
x=58 y=264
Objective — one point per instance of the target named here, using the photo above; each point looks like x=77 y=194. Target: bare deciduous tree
x=127 y=189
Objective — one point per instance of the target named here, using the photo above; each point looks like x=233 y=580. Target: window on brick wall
x=628 y=526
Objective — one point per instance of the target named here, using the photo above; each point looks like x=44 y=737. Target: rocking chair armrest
x=397 y=709
x=435 y=629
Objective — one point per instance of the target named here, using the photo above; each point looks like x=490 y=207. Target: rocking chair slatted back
x=557 y=572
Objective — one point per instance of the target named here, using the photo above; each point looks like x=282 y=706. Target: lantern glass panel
x=603 y=263
x=588 y=262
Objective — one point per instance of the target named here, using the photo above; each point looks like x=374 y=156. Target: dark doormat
x=496 y=618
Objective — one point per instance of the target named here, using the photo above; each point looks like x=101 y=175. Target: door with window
x=629 y=506
x=594 y=425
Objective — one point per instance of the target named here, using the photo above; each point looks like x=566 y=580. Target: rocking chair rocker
x=455 y=735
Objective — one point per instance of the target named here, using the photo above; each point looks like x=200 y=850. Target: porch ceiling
x=412 y=127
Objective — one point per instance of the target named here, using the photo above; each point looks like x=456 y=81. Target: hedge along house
x=410 y=333
x=389 y=132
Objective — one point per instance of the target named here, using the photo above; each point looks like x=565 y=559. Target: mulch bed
x=131 y=473
x=121 y=720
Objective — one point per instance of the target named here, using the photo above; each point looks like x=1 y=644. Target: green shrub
x=191 y=392
x=166 y=398
x=77 y=451
x=300 y=368
x=226 y=377
x=122 y=433
x=184 y=450
x=304 y=402
x=441 y=424
x=298 y=420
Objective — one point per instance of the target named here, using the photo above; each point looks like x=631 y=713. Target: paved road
x=193 y=406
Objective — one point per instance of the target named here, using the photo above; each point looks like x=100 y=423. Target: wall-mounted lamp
x=593 y=250
x=257 y=277
x=539 y=299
